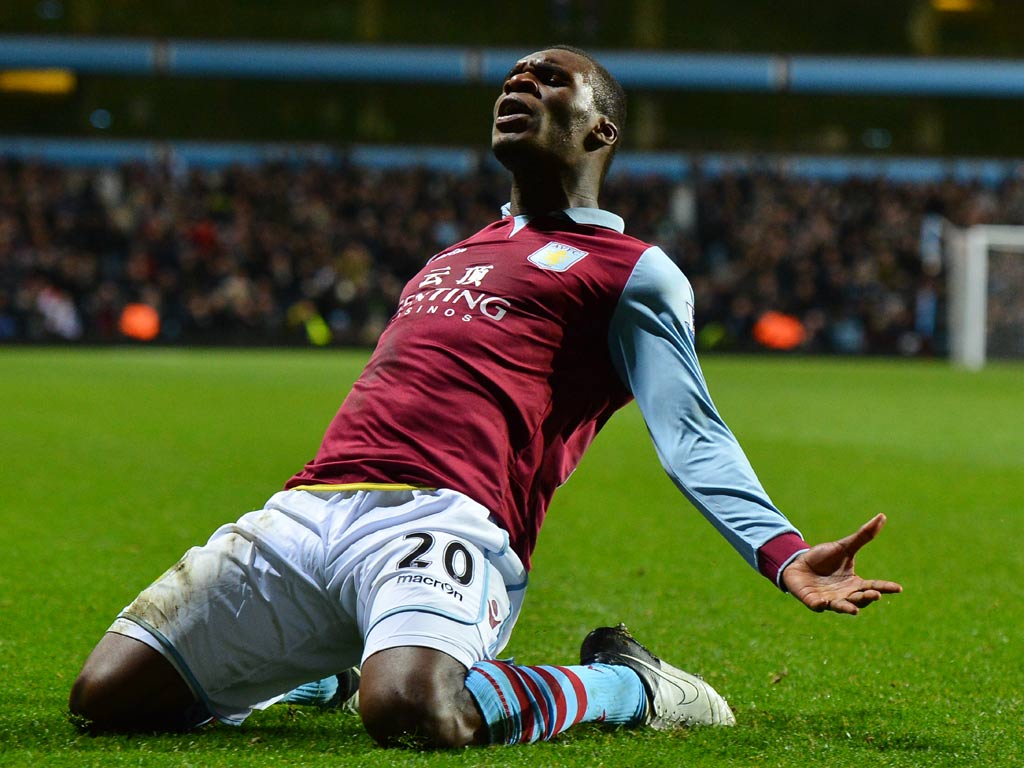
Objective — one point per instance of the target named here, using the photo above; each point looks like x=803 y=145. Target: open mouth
x=513 y=114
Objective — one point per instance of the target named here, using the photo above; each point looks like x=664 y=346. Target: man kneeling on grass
x=402 y=548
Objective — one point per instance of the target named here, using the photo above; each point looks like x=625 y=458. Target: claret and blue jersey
x=506 y=355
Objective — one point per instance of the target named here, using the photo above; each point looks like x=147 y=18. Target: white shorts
x=318 y=581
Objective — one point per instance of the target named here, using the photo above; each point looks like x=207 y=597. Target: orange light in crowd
x=139 y=321
x=778 y=331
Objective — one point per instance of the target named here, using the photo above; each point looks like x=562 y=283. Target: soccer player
x=404 y=545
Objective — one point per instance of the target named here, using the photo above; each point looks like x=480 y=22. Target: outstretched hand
x=823 y=579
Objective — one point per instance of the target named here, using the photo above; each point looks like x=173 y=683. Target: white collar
x=593 y=216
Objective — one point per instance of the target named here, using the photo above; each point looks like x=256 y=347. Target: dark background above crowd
x=702 y=119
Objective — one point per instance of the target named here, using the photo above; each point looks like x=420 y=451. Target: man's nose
x=522 y=82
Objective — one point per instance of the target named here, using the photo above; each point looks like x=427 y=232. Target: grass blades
x=113 y=462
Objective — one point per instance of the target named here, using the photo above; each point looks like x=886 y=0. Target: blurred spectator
x=319 y=253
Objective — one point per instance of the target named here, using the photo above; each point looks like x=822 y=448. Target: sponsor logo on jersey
x=454 y=302
x=449 y=294
x=556 y=257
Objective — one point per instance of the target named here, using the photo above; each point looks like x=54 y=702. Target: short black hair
x=609 y=96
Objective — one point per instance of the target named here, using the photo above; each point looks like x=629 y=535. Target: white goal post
x=967 y=286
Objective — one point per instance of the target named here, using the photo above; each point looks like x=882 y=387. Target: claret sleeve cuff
x=775 y=554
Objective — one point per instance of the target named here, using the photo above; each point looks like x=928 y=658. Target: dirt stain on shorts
x=182 y=595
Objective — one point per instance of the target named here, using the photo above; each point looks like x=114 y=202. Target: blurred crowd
x=318 y=254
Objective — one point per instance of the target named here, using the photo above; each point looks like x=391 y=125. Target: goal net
x=985 y=290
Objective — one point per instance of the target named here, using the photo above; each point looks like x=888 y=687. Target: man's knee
x=126 y=685
x=417 y=697
x=86 y=701
x=97 y=693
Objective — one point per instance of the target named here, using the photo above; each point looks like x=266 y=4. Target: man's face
x=546 y=108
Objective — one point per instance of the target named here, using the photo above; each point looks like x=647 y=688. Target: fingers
x=876 y=523
x=843 y=606
x=863 y=535
x=885 y=587
x=836 y=605
x=851 y=605
x=862 y=598
x=818 y=606
x=851 y=602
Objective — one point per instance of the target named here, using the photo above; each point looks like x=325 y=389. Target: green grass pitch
x=113 y=462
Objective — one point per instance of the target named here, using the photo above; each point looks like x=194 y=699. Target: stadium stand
x=299 y=253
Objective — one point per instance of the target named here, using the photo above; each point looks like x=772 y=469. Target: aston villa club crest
x=556 y=257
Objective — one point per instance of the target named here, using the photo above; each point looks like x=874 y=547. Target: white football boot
x=674 y=698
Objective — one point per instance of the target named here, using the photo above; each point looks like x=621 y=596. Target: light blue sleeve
x=652 y=347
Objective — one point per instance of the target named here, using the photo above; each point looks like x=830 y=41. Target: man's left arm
x=651 y=341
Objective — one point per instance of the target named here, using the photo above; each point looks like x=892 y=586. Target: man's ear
x=604 y=133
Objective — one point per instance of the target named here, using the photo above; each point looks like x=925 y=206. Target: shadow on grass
x=283 y=729
x=880 y=731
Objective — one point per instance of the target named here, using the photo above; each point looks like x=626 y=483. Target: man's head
x=609 y=97
x=558 y=107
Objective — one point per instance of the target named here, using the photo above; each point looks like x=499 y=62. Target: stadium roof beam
x=993 y=78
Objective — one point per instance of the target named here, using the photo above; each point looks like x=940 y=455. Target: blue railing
x=670 y=165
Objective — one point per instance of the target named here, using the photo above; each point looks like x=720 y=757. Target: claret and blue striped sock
x=526 y=704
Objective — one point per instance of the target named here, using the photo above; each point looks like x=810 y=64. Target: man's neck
x=535 y=195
